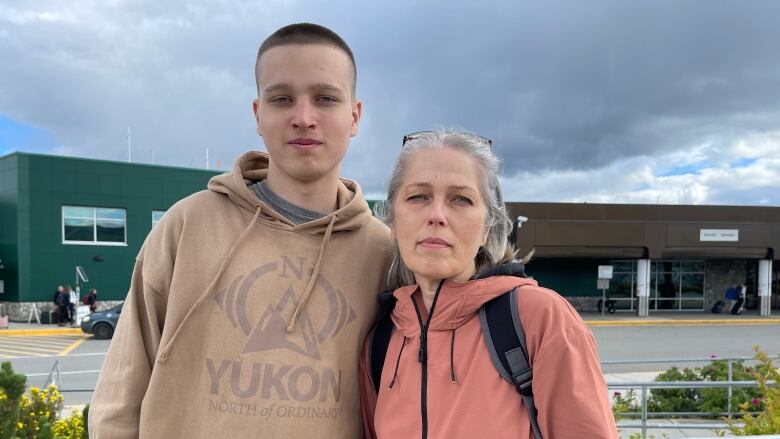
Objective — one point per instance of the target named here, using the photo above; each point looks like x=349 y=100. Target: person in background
x=91 y=300
x=61 y=305
x=73 y=302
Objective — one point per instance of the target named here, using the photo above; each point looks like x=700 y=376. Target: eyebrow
x=454 y=187
x=320 y=86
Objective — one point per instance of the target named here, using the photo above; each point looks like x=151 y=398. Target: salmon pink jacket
x=458 y=393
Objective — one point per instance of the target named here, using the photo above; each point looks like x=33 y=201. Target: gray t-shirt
x=296 y=214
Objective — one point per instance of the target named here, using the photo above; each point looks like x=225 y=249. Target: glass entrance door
x=677 y=286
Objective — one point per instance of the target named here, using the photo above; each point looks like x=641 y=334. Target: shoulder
x=190 y=215
x=547 y=317
x=375 y=233
x=197 y=204
x=377 y=229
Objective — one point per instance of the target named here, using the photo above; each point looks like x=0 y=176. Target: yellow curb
x=703 y=322
x=43 y=332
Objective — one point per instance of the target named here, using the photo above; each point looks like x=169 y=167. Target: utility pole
x=207 y=158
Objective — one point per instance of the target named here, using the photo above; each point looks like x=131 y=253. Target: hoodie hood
x=352 y=212
x=458 y=302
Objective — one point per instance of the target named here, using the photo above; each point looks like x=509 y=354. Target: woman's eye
x=460 y=199
x=417 y=197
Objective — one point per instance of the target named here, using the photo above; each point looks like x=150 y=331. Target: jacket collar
x=458 y=302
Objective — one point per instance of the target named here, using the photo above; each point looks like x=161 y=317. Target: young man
x=249 y=301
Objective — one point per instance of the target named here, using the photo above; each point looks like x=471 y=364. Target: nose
x=437 y=216
x=304 y=115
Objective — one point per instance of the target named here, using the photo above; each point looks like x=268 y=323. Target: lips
x=304 y=142
x=433 y=242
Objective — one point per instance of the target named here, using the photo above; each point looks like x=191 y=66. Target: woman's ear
x=485 y=234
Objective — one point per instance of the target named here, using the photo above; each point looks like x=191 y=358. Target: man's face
x=305 y=111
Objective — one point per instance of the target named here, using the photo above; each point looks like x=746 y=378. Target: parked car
x=102 y=324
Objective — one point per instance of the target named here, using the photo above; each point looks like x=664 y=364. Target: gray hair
x=497 y=249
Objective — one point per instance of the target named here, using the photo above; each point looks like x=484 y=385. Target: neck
x=317 y=195
x=428 y=285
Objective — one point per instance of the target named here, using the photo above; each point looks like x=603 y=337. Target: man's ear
x=256 y=111
x=357 y=111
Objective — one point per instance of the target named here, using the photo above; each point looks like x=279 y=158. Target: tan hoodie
x=240 y=324
x=466 y=397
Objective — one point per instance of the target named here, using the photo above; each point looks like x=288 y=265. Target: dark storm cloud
x=557 y=85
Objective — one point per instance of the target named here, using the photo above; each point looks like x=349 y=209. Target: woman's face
x=440 y=215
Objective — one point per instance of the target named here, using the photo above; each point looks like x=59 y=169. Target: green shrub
x=11 y=390
x=85 y=415
x=767 y=421
x=716 y=400
x=35 y=415
x=624 y=403
x=675 y=400
x=71 y=427
x=704 y=400
x=39 y=404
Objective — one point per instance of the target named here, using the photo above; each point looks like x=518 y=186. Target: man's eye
x=327 y=99
x=281 y=100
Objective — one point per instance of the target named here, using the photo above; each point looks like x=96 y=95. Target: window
x=677 y=285
x=157 y=216
x=94 y=225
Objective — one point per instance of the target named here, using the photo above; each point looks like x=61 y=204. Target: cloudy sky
x=662 y=101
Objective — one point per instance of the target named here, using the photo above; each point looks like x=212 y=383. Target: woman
x=448 y=218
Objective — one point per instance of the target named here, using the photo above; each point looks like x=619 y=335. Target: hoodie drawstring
x=452 y=356
x=397 y=362
x=205 y=294
x=310 y=286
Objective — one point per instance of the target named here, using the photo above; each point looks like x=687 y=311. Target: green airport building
x=58 y=213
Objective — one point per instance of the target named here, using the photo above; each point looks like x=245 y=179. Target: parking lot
x=74 y=361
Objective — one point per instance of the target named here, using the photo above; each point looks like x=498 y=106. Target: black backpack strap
x=378 y=341
x=505 y=340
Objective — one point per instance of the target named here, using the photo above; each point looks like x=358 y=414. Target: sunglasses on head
x=477 y=137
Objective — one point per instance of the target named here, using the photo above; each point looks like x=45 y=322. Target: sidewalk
x=750 y=317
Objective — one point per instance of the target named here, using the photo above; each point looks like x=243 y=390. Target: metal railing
x=55 y=378
x=644 y=387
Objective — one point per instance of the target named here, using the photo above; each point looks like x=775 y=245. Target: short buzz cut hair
x=305 y=33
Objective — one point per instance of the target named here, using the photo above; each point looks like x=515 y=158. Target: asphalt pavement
x=73 y=359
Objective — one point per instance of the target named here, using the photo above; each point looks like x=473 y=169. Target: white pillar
x=643 y=286
x=765 y=286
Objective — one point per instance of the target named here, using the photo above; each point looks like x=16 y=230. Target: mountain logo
x=268 y=332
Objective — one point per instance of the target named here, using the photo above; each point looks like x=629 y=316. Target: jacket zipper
x=422 y=357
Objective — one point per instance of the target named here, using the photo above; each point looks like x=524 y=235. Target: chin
x=436 y=272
